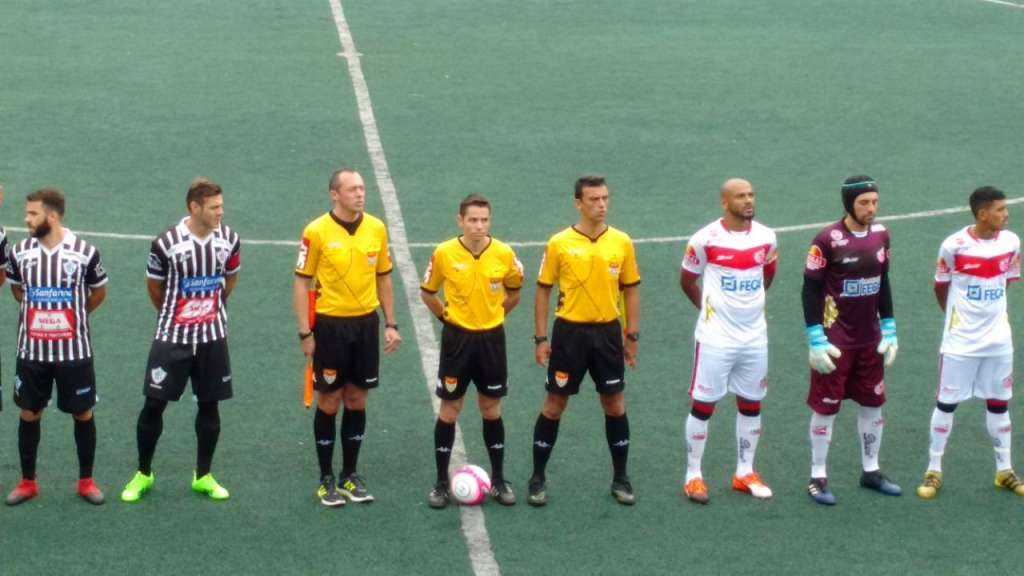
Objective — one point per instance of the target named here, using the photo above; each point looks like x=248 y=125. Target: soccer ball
x=470 y=485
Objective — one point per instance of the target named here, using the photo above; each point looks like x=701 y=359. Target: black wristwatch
x=395 y=326
x=304 y=335
x=538 y=340
x=633 y=336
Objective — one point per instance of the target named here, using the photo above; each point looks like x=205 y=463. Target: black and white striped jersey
x=193 y=271
x=53 y=324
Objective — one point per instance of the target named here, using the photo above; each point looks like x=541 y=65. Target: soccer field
x=121 y=104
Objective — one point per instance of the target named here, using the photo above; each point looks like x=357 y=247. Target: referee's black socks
x=28 y=445
x=85 y=443
x=616 y=429
x=444 y=438
x=324 y=434
x=353 y=428
x=545 y=432
x=494 y=439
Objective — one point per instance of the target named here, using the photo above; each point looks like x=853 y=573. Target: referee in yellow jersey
x=481 y=278
x=346 y=252
x=592 y=263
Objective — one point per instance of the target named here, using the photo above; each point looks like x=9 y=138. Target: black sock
x=207 y=433
x=494 y=438
x=85 y=442
x=444 y=437
x=616 y=429
x=28 y=445
x=545 y=432
x=353 y=427
x=151 y=424
x=324 y=434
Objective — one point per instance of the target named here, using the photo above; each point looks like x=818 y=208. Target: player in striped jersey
x=58 y=280
x=191 y=271
x=976 y=358
x=5 y=250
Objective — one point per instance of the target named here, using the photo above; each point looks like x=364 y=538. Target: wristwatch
x=304 y=335
x=394 y=326
x=633 y=336
x=537 y=340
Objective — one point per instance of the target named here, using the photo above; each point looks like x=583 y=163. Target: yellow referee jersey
x=590 y=273
x=345 y=265
x=474 y=286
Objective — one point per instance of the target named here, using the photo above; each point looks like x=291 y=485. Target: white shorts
x=964 y=377
x=742 y=371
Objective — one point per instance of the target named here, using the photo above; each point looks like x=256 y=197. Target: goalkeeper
x=851 y=332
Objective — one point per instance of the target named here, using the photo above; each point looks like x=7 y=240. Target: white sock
x=821 y=437
x=942 y=427
x=999 y=430
x=869 y=426
x=748 y=432
x=696 y=438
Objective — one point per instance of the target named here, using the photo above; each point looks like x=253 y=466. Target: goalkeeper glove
x=821 y=350
x=888 y=346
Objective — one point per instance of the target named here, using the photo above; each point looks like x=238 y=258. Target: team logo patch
x=429 y=272
x=70 y=268
x=495 y=283
x=371 y=258
x=764 y=383
x=451 y=383
x=836 y=235
x=759 y=256
x=1004 y=264
x=17 y=384
x=157 y=375
x=880 y=388
x=51 y=324
x=881 y=255
x=222 y=256
x=691 y=256
x=153 y=261
x=1008 y=382
x=561 y=379
x=330 y=375
x=820 y=431
x=300 y=264
x=613 y=270
x=941 y=267
x=815 y=258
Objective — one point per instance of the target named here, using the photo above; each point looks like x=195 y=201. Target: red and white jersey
x=733 y=265
x=977 y=272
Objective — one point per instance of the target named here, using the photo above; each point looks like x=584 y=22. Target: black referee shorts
x=347 y=351
x=75 y=379
x=171 y=366
x=477 y=356
x=578 y=348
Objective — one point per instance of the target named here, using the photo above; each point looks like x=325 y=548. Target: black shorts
x=472 y=356
x=577 y=348
x=76 y=385
x=347 y=351
x=171 y=366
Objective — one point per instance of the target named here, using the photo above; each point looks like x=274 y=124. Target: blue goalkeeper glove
x=821 y=350
x=888 y=346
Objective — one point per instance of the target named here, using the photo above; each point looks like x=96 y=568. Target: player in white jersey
x=58 y=280
x=737 y=258
x=976 y=358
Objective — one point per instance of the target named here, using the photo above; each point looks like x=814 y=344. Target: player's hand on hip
x=308 y=345
x=391 y=340
x=630 y=350
x=888 y=346
x=820 y=350
x=542 y=352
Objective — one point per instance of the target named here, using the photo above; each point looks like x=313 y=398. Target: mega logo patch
x=51 y=324
x=198 y=310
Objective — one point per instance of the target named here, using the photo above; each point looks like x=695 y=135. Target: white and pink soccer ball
x=470 y=485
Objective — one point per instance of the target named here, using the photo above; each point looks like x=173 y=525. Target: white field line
x=1004 y=3
x=481 y=555
x=538 y=243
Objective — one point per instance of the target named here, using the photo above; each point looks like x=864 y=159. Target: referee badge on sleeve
x=303 y=254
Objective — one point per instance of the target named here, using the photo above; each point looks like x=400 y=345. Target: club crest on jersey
x=330 y=375
x=495 y=283
x=371 y=258
x=613 y=270
x=70 y=267
x=837 y=238
x=157 y=375
x=760 y=255
x=815 y=258
x=451 y=383
x=881 y=255
x=222 y=256
x=561 y=379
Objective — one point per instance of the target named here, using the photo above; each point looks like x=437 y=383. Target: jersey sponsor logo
x=691 y=256
x=981 y=294
x=742 y=285
x=157 y=375
x=860 y=287
x=51 y=324
x=196 y=284
x=561 y=379
x=451 y=383
x=196 y=310
x=50 y=295
x=882 y=255
x=850 y=259
x=815 y=258
x=83 y=391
